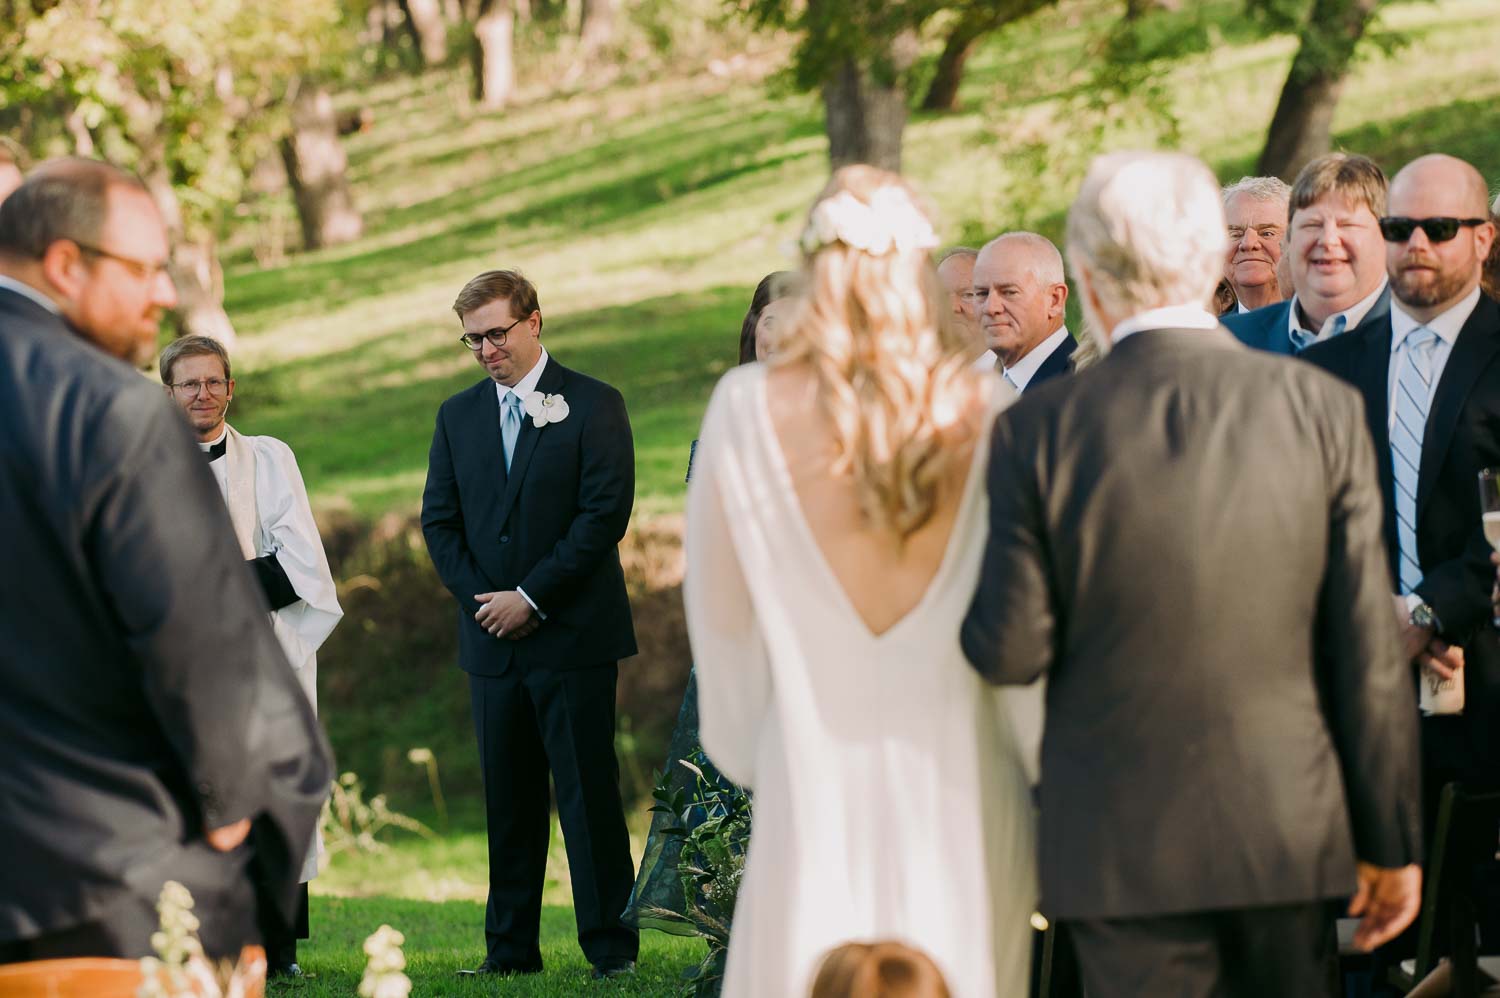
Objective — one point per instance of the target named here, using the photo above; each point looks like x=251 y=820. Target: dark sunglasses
x=1396 y=229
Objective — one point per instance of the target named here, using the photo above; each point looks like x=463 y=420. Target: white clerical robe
x=268 y=505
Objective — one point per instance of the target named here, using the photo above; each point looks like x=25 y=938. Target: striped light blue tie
x=1413 y=397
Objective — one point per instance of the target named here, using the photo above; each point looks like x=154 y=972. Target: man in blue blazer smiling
x=530 y=482
x=1337 y=259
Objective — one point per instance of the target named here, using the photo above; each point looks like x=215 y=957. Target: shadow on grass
x=444 y=937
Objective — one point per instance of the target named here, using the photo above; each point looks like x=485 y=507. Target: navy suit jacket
x=552 y=526
x=1266 y=328
x=1461 y=437
x=1055 y=365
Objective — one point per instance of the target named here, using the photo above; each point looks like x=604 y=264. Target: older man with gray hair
x=1021 y=296
x=1187 y=541
x=1255 y=212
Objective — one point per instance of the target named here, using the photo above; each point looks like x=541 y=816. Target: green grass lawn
x=646 y=212
x=433 y=891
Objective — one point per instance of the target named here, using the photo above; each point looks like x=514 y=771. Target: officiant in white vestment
x=262 y=486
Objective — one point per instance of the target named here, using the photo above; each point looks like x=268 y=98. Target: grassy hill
x=646 y=212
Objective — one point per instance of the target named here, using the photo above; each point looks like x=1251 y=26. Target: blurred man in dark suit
x=147 y=712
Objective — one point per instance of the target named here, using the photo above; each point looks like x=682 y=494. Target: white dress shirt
x=1020 y=376
x=1446 y=326
x=27 y=291
x=520 y=390
x=1166 y=317
x=1353 y=316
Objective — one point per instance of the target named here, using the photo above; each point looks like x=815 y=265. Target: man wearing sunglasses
x=530 y=482
x=1334 y=255
x=1431 y=380
x=146 y=711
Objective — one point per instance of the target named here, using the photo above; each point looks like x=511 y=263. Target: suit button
x=505 y=538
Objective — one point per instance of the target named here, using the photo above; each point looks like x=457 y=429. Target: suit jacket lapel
x=550 y=383
x=1472 y=352
x=1056 y=362
x=482 y=445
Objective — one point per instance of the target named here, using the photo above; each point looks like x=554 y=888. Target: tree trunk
x=942 y=93
x=865 y=116
x=318 y=171
x=193 y=265
x=492 y=53
x=424 y=19
x=596 y=29
x=1135 y=9
x=1302 y=127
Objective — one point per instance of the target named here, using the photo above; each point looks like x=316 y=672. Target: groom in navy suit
x=530 y=482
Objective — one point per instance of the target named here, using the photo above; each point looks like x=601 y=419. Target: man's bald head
x=1026 y=294
x=1429 y=276
x=1439 y=170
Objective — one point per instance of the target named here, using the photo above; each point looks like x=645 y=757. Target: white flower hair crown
x=889 y=223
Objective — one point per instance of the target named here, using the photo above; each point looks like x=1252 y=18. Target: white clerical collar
x=526 y=385
x=1353 y=316
x=1167 y=317
x=1446 y=325
x=216 y=441
x=27 y=291
x=1027 y=366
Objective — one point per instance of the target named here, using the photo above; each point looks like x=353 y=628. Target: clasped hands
x=506 y=615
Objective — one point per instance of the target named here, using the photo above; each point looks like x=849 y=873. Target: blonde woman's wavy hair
x=892 y=367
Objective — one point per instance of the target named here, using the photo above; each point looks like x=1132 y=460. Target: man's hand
x=228 y=838
x=1442 y=658
x=506 y=615
x=1387 y=901
x=1414 y=639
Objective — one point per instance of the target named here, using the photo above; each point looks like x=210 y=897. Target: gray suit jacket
x=143 y=696
x=1187 y=539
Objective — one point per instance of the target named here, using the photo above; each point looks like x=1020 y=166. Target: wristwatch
x=1422 y=614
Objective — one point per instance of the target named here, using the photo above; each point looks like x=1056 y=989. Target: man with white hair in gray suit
x=1186 y=539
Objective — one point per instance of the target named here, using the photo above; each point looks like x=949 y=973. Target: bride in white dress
x=835 y=528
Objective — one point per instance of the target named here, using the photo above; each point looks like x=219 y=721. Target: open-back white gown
x=891 y=786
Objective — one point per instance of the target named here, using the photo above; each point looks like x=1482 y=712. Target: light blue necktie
x=510 y=425
x=1413 y=398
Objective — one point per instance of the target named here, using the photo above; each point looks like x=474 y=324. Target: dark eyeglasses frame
x=203 y=386
x=1438 y=229
x=142 y=269
x=496 y=336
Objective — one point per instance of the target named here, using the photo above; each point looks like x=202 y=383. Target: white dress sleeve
x=288 y=531
x=729 y=653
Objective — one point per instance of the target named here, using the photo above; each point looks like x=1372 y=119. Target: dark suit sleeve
x=1367 y=692
x=606 y=491
x=1458 y=590
x=274 y=583
x=158 y=541
x=443 y=525
x=1009 y=630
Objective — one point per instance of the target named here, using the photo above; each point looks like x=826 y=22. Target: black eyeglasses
x=1439 y=229
x=496 y=336
x=141 y=268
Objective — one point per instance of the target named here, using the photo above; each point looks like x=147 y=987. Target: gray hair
x=1148 y=227
x=1046 y=261
x=61 y=199
x=966 y=252
x=1272 y=189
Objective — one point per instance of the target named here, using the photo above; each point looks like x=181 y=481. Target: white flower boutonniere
x=544 y=409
